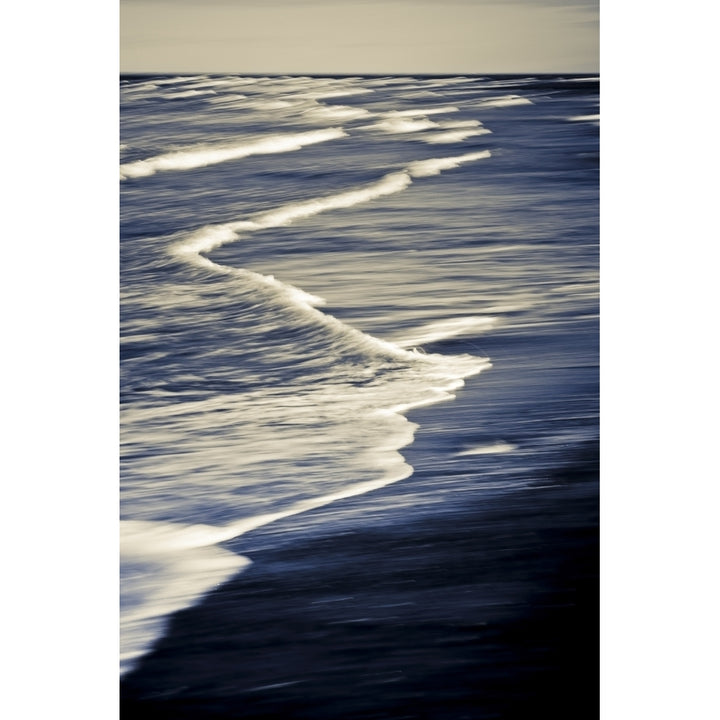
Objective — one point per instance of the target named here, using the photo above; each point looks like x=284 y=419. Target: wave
x=454 y=136
x=323 y=95
x=444 y=329
x=213 y=236
x=166 y=567
x=202 y=156
x=194 y=248
x=579 y=79
x=456 y=131
x=360 y=407
x=434 y=166
x=213 y=82
x=398 y=125
x=342 y=113
x=179 y=79
x=140 y=87
x=504 y=101
x=584 y=118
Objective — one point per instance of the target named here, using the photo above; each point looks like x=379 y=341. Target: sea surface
x=351 y=307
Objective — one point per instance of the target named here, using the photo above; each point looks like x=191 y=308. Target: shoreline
x=428 y=598
x=487 y=610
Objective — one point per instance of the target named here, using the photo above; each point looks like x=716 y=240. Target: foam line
x=202 y=156
x=388 y=185
x=444 y=329
x=454 y=136
x=193 y=248
x=434 y=166
x=190 y=564
x=210 y=237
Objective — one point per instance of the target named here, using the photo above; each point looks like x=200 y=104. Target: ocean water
x=382 y=289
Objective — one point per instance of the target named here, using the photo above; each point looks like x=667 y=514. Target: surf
x=197 y=157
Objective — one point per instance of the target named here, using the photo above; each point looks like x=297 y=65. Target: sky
x=359 y=36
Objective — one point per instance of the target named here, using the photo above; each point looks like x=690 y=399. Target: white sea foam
x=489 y=448
x=388 y=185
x=166 y=566
x=332 y=113
x=213 y=236
x=140 y=88
x=210 y=237
x=451 y=124
x=426 y=168
x=504 y=101
x=196 y=157
x=444 y=329
x=453 y=136
x=584 y=118
x=397 y=125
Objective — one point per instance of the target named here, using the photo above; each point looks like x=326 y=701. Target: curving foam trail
x=203 y=156
x=169 y=566
x=388 y=185
x=444 y=329
x=434 y=166
x=195 y=246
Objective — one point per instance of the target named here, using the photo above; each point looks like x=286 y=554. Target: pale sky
x=359 y=36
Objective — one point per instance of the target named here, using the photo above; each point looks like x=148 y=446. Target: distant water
x=305 y=261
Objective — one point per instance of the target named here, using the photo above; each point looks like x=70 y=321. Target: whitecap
x=584 y=118
x=445 y=329
x=504 y=101
x=434 y=166
x=398 y=125
x=201 y=156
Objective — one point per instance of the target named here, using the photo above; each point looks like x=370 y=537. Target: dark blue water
x=349 y=305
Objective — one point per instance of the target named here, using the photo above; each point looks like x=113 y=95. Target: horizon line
x=149 y=73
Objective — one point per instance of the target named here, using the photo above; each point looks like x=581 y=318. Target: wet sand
x=486 y=608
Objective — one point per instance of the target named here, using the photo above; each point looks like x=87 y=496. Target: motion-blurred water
x=306 y=260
